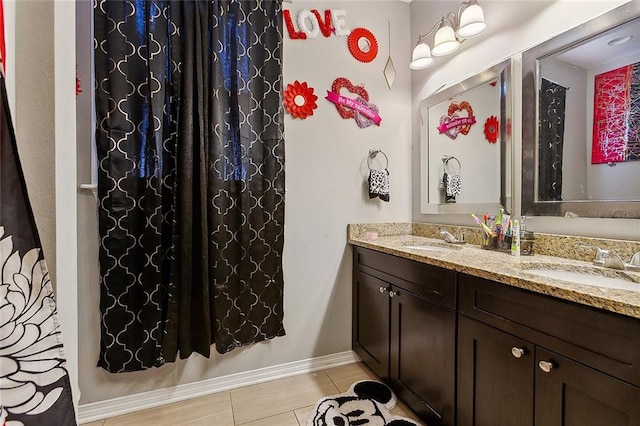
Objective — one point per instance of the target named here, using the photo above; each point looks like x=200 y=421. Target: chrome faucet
x=606 y=258
x=450 y=238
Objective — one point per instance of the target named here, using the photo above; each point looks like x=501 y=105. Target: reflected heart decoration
x=453 y=123
x=462 y=106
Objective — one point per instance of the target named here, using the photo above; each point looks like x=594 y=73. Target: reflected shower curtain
x=191 y=177
x=552 y=113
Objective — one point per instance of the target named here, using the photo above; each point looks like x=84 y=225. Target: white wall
x=513 y=27
x=325 y=174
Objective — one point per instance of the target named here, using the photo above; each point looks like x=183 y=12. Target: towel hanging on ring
x=451 y=182
x=378 y=179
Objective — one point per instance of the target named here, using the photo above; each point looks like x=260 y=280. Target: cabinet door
x=495 y=376
x=571 y=394
x=371 y=322
x=423 y=356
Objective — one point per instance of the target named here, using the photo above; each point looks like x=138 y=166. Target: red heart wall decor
x=344 y=83
x=462 y=106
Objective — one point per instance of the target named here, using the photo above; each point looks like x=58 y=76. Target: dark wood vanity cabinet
x=528 y=359
x=404 y=329
x=463 y=350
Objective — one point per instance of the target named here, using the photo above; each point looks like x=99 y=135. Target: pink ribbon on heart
x=355 y=105
x=450 y=122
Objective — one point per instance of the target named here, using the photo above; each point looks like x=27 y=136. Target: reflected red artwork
x=616 y=115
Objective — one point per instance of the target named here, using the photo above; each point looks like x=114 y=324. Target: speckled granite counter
x=502 y=267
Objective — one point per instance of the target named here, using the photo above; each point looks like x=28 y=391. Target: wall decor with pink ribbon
x=459 y=119
x=360 y=109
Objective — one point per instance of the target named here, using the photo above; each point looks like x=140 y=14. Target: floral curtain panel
x=191 y=177
x=34 y=382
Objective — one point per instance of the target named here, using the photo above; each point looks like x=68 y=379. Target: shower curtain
x=34 y=382
x=191 y=177
x=552 y=117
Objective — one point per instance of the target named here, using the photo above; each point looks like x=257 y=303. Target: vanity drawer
x=431 y=282
x=603 y=340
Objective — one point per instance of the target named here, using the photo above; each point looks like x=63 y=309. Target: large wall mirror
x=581 y=120
x=466 y=145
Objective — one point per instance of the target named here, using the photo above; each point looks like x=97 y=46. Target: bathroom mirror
x=581 y=120
x=466 y=145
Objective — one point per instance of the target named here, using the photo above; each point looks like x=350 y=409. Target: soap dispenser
x=526 y=239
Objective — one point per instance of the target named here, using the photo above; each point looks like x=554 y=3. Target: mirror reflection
x=581 y=120
x=465 y=143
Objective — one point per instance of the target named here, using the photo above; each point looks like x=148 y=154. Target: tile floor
x=284 y=402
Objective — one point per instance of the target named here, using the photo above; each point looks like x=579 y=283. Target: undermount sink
x=589 y=276
x=430 y=246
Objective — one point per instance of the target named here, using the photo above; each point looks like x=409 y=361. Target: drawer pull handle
x=517 y=352
x=393 y=293
x=546 y=366
x=383 y=289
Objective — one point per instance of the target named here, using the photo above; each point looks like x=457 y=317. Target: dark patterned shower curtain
x=191 y=177
x=552 y=118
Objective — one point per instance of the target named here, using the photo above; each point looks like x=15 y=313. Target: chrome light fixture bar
x=451 y=30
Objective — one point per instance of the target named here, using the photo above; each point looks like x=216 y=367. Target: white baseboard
x=145 y=400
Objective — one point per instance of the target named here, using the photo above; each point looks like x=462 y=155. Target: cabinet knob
x=383 y=289
x=393 y=293
x=517 y=352
x=546 y=366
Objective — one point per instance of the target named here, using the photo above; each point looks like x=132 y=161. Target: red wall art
x=491 y=128
x=616 y=115
x=459 y=119
x=300 y=100
x=354 y=41
x=312 y=23
x=364 y=112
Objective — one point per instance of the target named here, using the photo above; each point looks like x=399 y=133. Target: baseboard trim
x=145 y=400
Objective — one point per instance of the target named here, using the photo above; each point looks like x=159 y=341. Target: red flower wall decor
x=299 y=100
x=491 y=127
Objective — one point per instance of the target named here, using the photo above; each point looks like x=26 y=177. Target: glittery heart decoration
x=462 y=106
x=344 y=83
x=361 y=119
x=452 y=133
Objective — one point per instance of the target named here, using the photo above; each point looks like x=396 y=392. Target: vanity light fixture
x=451 y=30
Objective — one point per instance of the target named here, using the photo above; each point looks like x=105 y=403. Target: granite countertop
x=512 y=270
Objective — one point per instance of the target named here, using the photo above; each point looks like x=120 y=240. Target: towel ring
x=373 y=153
x=445 y=161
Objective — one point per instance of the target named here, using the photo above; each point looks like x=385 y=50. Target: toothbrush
x=485 y=228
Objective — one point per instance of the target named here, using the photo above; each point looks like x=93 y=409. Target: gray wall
x=34 y=115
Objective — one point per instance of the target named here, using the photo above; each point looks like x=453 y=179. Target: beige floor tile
x=279 y=396
x=98 y=423
x=302 y=414
x=206 y=411
x=402 y=410
x=344 y=376
x=284 y=419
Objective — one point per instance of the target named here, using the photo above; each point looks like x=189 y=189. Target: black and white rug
x=366 y=403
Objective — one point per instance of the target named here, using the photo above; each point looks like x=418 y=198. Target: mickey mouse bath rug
x=365 y=403
x=364 y=112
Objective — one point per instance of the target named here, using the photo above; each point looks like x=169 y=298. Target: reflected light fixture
x=451 y=30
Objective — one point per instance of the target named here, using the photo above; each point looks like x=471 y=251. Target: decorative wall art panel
x=616 y=115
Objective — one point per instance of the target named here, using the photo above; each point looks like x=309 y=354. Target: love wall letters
x=311 y=23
